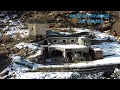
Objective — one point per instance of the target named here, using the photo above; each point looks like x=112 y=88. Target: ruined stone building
x=37 y=28
x=65 y=46
x=63 y=40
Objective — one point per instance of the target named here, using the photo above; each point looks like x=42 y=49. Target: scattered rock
x=116 y=74
x=75 y=75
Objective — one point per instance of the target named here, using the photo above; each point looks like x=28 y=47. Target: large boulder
x=75 y=75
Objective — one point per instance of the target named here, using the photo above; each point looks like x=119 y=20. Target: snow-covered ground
x=103 y=36
x=69 y=46
x=12 y=32
x=19 y=71
x=109 y=48
x=19 y=66
x=77 y=30
x=46 y=75
x=33 y=46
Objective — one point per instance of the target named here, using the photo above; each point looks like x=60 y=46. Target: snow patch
x=33 y=46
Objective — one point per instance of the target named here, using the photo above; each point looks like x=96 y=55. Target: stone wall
x=63 y=40
x=37 y=30
x=84 y=41
x=32 y=30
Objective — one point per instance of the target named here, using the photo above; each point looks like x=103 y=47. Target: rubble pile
x=116 y=74
x=77 y=75
x=32 y=51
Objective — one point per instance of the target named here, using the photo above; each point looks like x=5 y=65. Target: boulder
x=75 y=75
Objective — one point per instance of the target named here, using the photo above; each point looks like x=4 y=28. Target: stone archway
x=57 y=57
x=45 y=42
x=57 y=53
x=69 y=56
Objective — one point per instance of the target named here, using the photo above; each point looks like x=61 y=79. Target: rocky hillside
x=56 y=19
x=62 y=18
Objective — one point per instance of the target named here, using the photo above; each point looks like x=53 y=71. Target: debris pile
x=31 y=51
